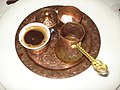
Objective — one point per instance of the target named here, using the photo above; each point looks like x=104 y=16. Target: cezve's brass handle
x=98 y=65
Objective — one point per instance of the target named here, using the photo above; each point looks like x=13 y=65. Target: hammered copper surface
x=45 y=62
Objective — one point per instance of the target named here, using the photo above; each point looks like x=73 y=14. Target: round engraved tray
x=45 y=63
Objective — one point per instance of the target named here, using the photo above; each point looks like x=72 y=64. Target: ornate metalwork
x=45 y=63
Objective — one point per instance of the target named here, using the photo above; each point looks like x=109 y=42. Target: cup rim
x=24 y=29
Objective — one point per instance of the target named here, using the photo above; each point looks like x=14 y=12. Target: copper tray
x=45 y=62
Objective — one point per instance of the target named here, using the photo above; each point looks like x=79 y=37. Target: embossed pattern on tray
x=47 y=64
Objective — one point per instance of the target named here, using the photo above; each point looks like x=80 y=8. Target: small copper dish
x=69 y=14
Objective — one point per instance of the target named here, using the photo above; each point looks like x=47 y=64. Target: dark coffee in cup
x=34 y=35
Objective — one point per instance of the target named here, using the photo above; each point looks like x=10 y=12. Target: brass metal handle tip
x=98 y=65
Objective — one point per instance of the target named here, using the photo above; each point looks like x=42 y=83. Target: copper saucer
x=46 y=63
